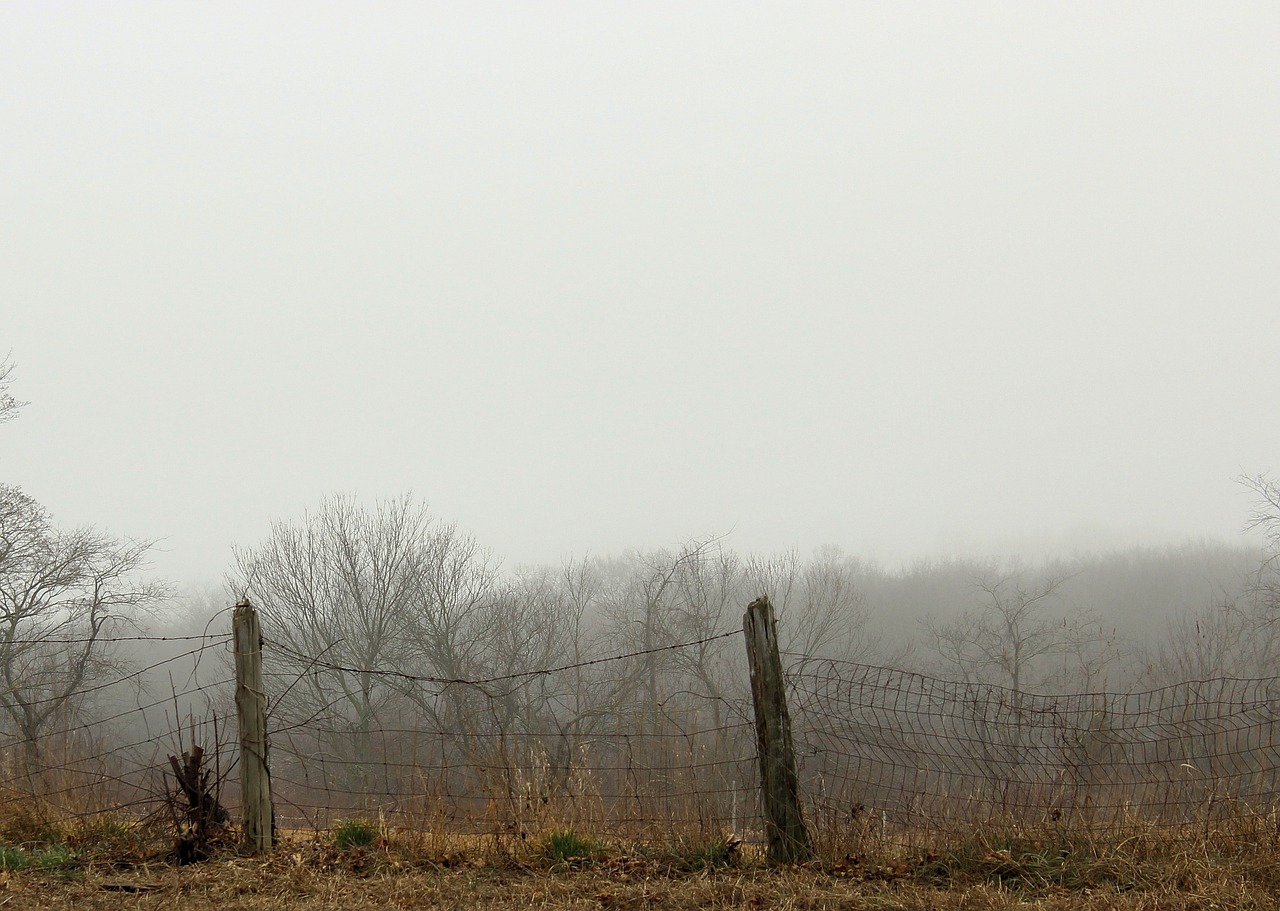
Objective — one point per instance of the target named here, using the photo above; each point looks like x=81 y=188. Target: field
x=918 y=793
x=361 y=870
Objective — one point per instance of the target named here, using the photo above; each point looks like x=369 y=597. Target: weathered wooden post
x=251 y=710
x=779 y=785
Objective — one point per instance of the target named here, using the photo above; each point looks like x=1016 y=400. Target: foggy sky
x=911 y=279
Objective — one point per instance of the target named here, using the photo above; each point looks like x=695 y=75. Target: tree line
x=377 y=611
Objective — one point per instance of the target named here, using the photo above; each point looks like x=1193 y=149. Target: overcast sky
x=912 y=279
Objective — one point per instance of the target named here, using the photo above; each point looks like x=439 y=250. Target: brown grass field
x=112 y=867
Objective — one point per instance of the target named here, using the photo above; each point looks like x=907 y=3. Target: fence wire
x=607 y=746
x=906 y=753
x=593 y=744
x=103 y=747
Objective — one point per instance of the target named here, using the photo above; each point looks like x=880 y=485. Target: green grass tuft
x=354 y=833
x=712 y=855
x=565 y=847
x=48 y=858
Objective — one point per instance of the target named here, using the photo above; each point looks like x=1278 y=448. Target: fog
x=923 y=282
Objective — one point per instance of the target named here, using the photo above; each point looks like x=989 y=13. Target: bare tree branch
x=9 y=406
x=61 y=593
x=1010 y=636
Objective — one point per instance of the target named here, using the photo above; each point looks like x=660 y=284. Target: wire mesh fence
x=585 y=745
x=903 y=754
x=603 y=745
x=104 y=746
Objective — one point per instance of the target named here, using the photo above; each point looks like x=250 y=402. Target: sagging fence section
x=609 y=746
x=913 y=754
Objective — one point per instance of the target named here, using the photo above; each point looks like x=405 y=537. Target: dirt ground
x=284 y=883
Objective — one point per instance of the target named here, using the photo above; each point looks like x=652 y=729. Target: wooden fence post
x=251 y=710
x=779 y=785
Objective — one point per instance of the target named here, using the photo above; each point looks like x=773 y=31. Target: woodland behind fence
x=611 y=746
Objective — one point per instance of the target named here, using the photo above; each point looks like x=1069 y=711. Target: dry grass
x=47 y=862
x=280 y=884
x=400 y=870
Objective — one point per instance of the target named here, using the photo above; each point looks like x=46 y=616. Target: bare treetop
x=9 y=406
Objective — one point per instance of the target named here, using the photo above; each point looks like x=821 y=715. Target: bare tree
x=355 y=603
x=62 y=594
x=1013 y=639
x=336 y=589
x=664 y=598
x=539 y=623
x=1225 y=638
x=9 y=406
x=822 y=606
x=1265 y=514
x=1237 y=633
x=1265 y=517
